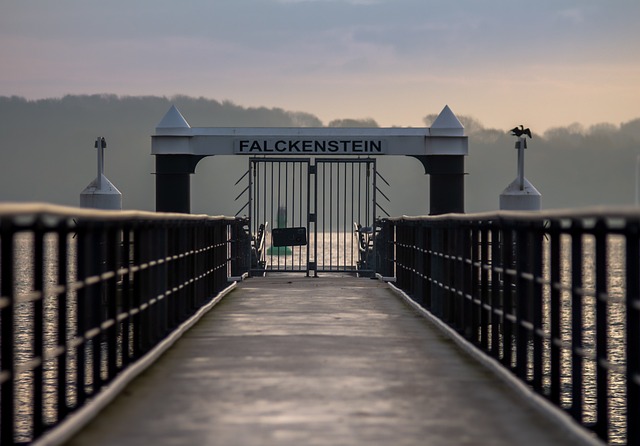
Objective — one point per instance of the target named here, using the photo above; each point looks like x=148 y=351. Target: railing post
x=209 y=271
x=62 y=407
x=390 y=249
x=484 y=286
x=555 y=311
x=216 y=239
x=82 y=268
x=126 y=302
x=508 y=318
x=436 y=270
x=38 y=328
x=411 y=259
x=191 y=267
x=427 y=261
x=201 y=262
x=449 y=271
x=228 y=246
x=153 y=318
x=602 y=372
x=633 y=331
x=400 y=256
x=112 y=261
x=576 y=321
x=418 y=264
x=496 y=304
x=523 y=301
x=162 y=280
x=466 y=299
x=138 y=290
x=474 y=284
x=156 y=317
x=181 y=269
x=240 y=248
x=95 y=301
x=7 y=388
x=536 y=235
x=172 y=274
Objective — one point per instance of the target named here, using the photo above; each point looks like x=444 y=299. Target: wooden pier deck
x=291 y=360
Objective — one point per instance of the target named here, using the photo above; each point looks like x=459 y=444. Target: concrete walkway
x=325 y=361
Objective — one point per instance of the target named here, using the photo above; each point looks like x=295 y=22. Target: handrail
x=85 y=293
x=58 y=211
x=613 y=212
x=553 y=296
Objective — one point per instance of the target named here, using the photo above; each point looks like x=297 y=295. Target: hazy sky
x=545 y=63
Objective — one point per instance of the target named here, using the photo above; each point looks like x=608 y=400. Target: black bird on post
x=521 y=131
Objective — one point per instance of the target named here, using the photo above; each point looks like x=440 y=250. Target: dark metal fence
x=553 y=297
x=84 y=294
x=324 y=198
x=279 y=198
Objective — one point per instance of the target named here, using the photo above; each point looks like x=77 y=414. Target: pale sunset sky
x=546 y=63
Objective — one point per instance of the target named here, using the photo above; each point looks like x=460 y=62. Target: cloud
x=387 y=59
x=572 y=15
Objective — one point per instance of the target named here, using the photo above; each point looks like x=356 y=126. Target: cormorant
x=521 y=131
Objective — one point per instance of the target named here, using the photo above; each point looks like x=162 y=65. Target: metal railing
x=84 y=294
x=553 y=296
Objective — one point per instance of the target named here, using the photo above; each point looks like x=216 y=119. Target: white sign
x=310 y=146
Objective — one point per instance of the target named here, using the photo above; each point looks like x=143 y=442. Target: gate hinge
x=312 y=169
x=312 y=218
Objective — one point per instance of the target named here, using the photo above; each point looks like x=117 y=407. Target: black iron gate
x=312 y=215
x=345 y=197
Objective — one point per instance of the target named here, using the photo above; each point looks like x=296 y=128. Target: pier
x=497 y=325
x=290 y=360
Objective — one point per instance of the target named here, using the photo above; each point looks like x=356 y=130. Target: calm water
x=616 y=343
x=343 y=251
x=335 y=250
x=24 y=334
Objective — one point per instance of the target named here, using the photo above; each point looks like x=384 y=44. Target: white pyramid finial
x=173 y=119
x=447 y=124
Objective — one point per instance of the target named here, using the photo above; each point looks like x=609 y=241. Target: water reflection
x=25 y=330
x=616 y=329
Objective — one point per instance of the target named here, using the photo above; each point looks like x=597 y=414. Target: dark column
x=446 y=194
x=173 y=184
x=446 y=183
